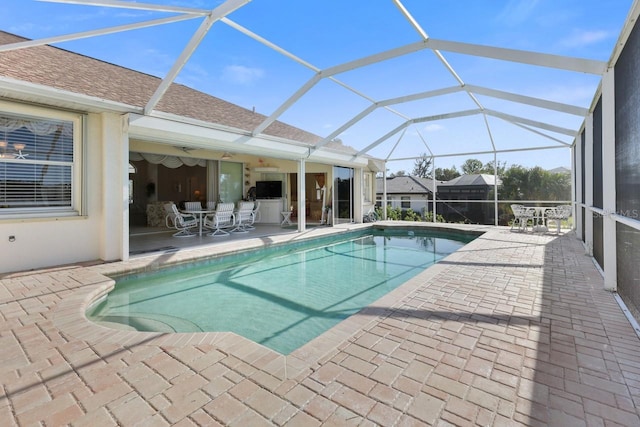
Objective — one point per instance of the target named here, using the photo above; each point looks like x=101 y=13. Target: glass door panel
x=343 y=194
x=230 y=182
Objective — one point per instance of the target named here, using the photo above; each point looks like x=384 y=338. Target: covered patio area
x=513 y=329
x=146 y=240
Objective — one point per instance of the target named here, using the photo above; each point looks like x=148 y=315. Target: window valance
x=171 y=162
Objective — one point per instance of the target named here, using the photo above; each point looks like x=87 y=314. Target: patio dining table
x=200 y=213
x=539 y=218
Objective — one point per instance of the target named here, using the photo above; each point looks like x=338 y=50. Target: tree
x=471 y=166
x=399 y=173
x=520 y=183
x=422 y=167
x=515 y=182
x=446 y=174
x=488 y=168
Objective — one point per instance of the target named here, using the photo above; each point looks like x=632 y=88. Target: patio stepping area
x=513 y=329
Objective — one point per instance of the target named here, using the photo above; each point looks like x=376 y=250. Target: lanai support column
x=384 y=192
x=435 y=187
x=302 y=219
x=115 y=187
x=609 y=181
x=495 y=188
x=588 y=184
x=579 y=218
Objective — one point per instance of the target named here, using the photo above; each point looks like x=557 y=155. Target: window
x=39 y=171
x=405 y=202
x=367 y=191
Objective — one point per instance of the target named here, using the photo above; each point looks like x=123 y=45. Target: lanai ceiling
x=391 y=78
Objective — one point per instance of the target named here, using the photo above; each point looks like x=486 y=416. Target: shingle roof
x=471 y=179
x=69 y=71
x=406 y=185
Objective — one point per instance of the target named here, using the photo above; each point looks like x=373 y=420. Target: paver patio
x=513 y=329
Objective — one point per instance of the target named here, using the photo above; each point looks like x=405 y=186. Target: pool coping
x=69 y=315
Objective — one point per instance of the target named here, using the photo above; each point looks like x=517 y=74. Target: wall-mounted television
x=268 y=189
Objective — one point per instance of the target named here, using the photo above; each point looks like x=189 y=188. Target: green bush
x=410 y=215
x=397 y=214
x=428 y=217
x=394 y=214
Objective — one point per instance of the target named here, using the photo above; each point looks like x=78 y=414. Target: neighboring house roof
x=73 y=72
x=406 y=185
x=561 y=169
x=471 y=180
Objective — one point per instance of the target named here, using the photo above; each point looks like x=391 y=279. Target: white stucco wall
x=44 y=242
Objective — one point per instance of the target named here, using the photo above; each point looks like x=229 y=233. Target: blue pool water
x=279 y=297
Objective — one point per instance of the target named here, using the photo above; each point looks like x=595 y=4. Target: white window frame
x=368 y=187
x=77 y=119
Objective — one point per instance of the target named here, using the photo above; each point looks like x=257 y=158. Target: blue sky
x=326 y=33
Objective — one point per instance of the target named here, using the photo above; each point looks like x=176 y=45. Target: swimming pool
x=280 y=297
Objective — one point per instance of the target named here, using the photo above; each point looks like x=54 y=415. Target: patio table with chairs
x=539 y=217
x=198 y=212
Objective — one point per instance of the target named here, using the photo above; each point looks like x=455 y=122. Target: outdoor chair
x=256 y=213
x=181 y=222
x=244 y=217
x=521 y=216
x=558 y=214
x=222 y=218
x=192 y=206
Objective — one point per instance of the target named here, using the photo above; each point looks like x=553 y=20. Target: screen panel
x=628 y=254
x=598 y=247
x=627 y=105
x=627 y=152
x=597 y=155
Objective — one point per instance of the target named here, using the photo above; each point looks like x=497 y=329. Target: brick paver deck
x=514 y=329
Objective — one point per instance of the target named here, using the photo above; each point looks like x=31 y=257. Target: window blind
x=36 y=162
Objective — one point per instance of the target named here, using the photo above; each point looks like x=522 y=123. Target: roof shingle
x=73 y=72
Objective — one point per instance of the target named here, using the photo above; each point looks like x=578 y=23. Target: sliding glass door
x=343 y=194
x=230 y=182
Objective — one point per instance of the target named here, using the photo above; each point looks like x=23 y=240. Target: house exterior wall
x=114 y=183
x=50 y=241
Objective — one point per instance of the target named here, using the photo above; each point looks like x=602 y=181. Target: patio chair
x=256 y=213
x=222 y=218
x=244 y=217
x=192 y=206
x=558 y=214
x=181 y=222
x=521 y=216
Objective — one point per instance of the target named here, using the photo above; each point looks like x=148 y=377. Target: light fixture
x=18 y=147
x=226 y=155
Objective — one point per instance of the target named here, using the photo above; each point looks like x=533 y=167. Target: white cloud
x=516 y=12
x=239 y=74
x=433 y=128
x=585 y=38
